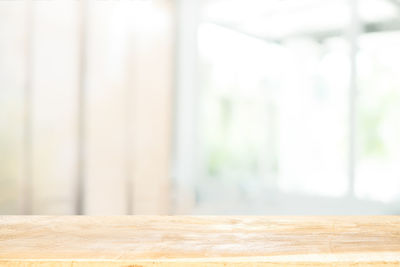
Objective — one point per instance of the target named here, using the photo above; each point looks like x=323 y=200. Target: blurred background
x=264 y=107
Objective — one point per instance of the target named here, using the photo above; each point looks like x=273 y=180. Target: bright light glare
x=142 y=16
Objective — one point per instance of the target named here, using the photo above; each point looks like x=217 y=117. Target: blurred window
x=277 y=118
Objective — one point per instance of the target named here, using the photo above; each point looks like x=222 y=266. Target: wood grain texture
x=199 y=241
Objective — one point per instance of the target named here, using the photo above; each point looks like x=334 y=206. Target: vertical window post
x=81 y=114
x=27 y=194
x=354 y=31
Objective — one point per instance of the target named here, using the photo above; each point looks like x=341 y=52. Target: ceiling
x=282 y=19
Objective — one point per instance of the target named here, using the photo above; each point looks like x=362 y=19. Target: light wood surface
x=199 y=241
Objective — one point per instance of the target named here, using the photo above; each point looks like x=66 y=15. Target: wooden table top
x=199 y=241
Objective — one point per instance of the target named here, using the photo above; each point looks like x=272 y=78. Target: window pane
x=12 y=78
x=274 y=107
x=378 y=129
